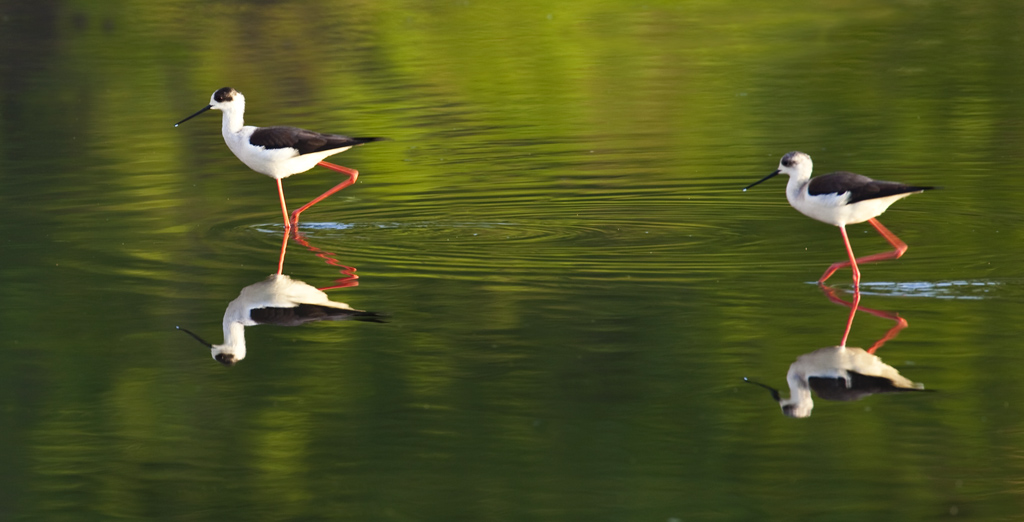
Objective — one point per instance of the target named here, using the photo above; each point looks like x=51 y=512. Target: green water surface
x=575 y=281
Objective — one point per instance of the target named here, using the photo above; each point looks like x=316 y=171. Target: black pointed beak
x=774 y=392
x=766 y=178
x=200 y=111
x=200 y=339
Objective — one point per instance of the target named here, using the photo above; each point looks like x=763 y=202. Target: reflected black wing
x=307 y=313
x=835 y=388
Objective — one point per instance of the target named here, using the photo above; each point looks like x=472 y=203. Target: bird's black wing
x=305 y=141
x=861 y=188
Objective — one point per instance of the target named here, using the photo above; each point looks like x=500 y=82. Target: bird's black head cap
x=224 y=94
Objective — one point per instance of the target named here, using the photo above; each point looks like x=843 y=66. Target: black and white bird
x=837 y=373
x=840 y=199
x=278 y=300
x=279 y=151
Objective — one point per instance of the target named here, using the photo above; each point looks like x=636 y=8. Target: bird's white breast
x=276 y=163
x=835 y=209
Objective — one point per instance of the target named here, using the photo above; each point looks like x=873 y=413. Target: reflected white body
x=829 y=208
x=834 y=362
x=277 y=291
x=276 y=163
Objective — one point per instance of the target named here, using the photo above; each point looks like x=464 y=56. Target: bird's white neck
x=795 y=186
x=234 y=340
x=799 y=406
x=233 y=118
x=800 y=400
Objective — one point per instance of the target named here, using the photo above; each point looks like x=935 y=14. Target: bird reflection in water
x=842 y=373
x=283 y=301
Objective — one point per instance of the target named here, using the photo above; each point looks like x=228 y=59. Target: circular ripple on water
x=467 y=247
x=663 y=235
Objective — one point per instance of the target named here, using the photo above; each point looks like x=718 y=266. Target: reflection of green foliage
x=575 y=278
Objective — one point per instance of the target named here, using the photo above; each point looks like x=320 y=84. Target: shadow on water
x=283 y=301
x=842 y=373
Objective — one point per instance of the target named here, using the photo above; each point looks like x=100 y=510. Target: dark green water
x=576 y=284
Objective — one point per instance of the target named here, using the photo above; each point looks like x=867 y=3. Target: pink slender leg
x=284 y=208
x=899 y=246
x=899 y=249
x=353 y=175
x=851 y=263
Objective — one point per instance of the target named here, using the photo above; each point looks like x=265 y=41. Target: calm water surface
x=576 y=286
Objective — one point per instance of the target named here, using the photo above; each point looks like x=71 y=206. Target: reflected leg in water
x=353 y=175
x=350 y=278
x=284 y=248
x=899 y=249
x=854 y=305
x=853 y=312
x=841 y=373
